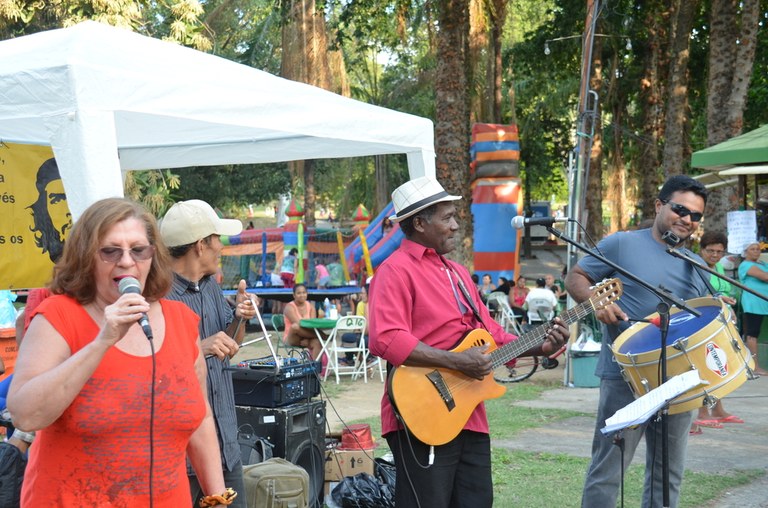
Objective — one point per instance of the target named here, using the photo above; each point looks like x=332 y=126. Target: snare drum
x=709 y=343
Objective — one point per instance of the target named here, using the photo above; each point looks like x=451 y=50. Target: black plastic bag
x=363 y=491
x=385 y=471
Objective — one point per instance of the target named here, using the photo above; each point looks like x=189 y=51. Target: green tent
x=743 y=155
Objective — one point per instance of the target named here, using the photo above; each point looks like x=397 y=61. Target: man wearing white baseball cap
x=191 y=230
x=420 y=308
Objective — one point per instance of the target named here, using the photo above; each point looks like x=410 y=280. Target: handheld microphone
x=519 y=222
x=131 y=285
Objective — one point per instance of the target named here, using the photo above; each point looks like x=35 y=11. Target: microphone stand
x=681 y=255
x=667 y=300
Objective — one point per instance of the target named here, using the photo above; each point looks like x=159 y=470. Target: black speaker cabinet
x=296 y=433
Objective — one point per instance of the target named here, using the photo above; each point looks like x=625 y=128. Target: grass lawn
x=531 y=479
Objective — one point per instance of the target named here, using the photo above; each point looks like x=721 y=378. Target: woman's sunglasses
x=115 y=254
x=683 y=211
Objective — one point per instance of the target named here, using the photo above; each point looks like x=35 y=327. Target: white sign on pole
x=742 y=230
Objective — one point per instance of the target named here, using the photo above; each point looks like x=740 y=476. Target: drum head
x=644 y=337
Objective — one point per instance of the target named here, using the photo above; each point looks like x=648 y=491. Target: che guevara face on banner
x=50 y=213
x=34 y=217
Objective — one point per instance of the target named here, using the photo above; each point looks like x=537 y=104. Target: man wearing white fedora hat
x=420 y=308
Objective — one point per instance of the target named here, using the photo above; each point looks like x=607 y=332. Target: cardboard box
x=341 y=463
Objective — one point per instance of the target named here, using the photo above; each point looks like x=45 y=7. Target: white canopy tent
x=107 y=99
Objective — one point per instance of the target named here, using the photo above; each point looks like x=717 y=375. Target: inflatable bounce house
x=496 y=199
x=351 y=255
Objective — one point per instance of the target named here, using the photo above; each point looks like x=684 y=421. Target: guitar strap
x=464 y=291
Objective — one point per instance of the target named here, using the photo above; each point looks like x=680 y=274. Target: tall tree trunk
x=498 y=20
x=722 y=53
x=452 y=115
x=676 y=148
x=309 y=193
x=478 y=64
x=743 y=65
x=594 y=197
x=381 y=170
x=617 y=184
x=616 y=190
x=306 y=58
x=652 y=107
x=731 y=57
x=486 y=18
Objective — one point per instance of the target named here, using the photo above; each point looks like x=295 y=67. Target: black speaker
x=296 y=433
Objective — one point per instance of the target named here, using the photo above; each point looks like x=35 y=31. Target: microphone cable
x=152 y=424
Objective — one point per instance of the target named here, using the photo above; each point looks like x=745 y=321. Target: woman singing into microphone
x=115 y=413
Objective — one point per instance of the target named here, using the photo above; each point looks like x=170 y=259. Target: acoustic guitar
x=436 y=402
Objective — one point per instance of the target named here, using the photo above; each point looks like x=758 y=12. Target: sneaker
x=343 y=362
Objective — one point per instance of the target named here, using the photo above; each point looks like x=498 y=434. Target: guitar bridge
x=439 y=383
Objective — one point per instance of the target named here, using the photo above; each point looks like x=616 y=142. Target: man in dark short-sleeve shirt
x=191 y=230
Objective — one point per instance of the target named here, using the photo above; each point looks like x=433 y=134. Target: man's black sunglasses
x=683 y=211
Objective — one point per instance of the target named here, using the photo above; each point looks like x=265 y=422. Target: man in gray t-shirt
x=679 y=209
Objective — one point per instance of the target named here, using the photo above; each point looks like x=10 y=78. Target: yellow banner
x=34 y=217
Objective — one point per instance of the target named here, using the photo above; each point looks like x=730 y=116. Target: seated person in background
x=300 y=308
x=487 y=286
x=350 y=339
x=503 y=285
x=540 y=303
x=549 y=283
x=518 y=293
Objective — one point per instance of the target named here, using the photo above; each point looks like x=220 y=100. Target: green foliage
x=546 y=88
x=250 y=34
x=230 y=186
x=155 y=189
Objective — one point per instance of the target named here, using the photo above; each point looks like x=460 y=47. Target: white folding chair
x=335 y=347
x=503 y=313
x=539 y=311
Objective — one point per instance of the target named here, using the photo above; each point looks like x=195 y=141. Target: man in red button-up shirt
x=419 y=309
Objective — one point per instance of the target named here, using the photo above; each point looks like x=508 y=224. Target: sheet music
x=646 y=406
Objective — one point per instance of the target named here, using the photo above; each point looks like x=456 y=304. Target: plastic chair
x=503 y=313
x=355 y=325
x=278 y=323
x=539 y=311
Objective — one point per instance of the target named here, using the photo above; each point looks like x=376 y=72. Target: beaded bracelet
x=224 y=498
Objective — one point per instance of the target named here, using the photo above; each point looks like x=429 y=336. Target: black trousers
x=459 y=478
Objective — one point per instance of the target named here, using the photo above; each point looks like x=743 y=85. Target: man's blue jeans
x=601 y=488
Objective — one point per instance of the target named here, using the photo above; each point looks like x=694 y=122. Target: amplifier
x=256 y=384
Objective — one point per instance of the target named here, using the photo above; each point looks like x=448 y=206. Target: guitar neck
x=536 y=336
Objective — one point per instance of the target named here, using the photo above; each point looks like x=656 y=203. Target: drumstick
x=248 y=343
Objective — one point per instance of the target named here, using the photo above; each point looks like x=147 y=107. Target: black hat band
x=422 y=202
